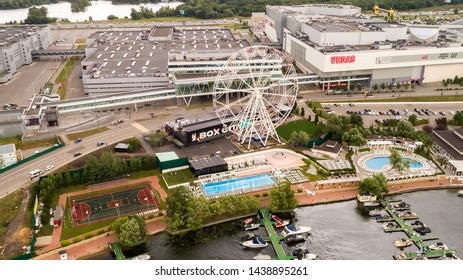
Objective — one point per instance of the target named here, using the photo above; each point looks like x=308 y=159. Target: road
x=19 y=176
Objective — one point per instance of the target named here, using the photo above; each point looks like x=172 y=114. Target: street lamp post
x=117 y=209
x=96 y=114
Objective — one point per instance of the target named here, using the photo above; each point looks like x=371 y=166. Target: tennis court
x=111 y=205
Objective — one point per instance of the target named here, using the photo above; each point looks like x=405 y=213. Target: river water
x=99 y=10
x=340 y=231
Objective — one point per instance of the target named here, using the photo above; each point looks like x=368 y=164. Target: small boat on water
x=141 y=257
x=256 y=242
x=247 y=221
x=382 y=216
x=407 y=214
x=401 y=204
x=304 y=254
x=422 y=230
x=294 y=230
x=294 y=239
x=449 y=256
x=460 y=192
x=400 y=256
x=402 y=243
x=262 y=257
x=420 y=258
x=390 y=226
x=438 y=246
x=417 y=224
x=377 y=212
x=248 y=236
x=279 y=222
x=371 y=204
x=251 y=226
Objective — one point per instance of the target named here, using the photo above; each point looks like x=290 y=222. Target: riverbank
x=97 y=244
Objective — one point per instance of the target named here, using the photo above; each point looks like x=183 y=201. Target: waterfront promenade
x=99 y=243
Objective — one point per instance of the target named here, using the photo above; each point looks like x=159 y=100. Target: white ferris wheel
x=256 y=89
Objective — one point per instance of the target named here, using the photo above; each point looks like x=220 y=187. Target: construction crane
x=377 y=10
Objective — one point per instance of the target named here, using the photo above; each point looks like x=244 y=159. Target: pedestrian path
x=140 y=127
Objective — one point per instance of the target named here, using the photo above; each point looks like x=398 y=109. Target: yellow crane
x=377 y=10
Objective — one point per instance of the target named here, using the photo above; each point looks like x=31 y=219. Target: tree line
x=76 y=5
x=186 y=211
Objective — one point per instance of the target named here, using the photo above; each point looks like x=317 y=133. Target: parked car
x=100 y=143
x=49 y=167
x=77 y=154
x=78 y=140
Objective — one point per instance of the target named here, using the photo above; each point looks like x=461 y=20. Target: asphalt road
x=19 y=176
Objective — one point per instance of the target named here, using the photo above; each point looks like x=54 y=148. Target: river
x=99 y=10
x=340 y=231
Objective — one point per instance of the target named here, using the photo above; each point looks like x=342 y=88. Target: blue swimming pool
x=378 y=163
x=238 y=184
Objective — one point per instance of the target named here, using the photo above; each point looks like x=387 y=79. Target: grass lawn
x=178 y=177
x=29 y=144
x=83 y=134
x=310 y=128
x=64 y=75
x=144 y=173
x=68 y=189
x=198 y=106
x=45 y=230
x=9 y=207
x=311 y=177
x=81 y=41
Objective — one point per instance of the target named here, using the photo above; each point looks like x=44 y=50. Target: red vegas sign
x=341 y=59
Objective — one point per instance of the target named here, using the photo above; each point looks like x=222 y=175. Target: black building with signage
x=208 y=164
x=189 y=133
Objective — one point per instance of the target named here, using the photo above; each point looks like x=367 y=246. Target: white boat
x=141 y=257
x=402 y=243
x=279 y=222
x=303 y=254
x=256 y=242
x=377 y=213
x=438 y=246
x=251 y=226
x=292 y=230
x=262 y=257
x=460 y=192
x=371 y=204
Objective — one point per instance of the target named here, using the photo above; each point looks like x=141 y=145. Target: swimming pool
x=378 y=163
x=237 y=184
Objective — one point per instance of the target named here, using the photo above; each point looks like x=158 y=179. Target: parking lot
x=391 y=110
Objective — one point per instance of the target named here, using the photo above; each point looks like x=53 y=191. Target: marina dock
x=273 y=237
x=425 y=251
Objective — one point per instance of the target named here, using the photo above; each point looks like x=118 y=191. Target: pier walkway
x=425 y=251
x=273 y=237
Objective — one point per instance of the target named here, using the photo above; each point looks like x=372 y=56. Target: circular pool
x=378 y=163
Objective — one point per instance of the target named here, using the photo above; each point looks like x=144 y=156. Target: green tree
x=134 y=144
x=375 y=87
x=111 y=17
x=67 y=179
x=316 y=120
x=150 y=162
x=282 y=198
x=337 y=125
x=136 y=164
x=458 y=118
x=405 y=129
x=298 y=139
x=38 y=16
x=356 y=120
x=197 y=213
x=130 y=230
x=375 y=185
x=302 y=112
x=354 y=137
x=157 y=139
x=177 y=203
x=397 y=161
x=412 y=119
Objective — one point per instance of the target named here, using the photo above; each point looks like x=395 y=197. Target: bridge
x=40 y=53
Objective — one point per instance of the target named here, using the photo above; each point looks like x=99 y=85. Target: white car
x=49 y=167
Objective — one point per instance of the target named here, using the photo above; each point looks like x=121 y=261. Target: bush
x=160 y=214
x=101 y=231
x=77 y=239
x=257 y=195
x=134 y=144
x=299 y=190
x=265 y=194
x=150 y=216
x=89 y=235
x=65 y=243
